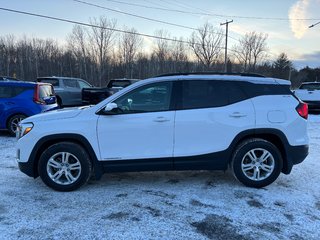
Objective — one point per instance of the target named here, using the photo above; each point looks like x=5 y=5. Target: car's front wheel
x=65 y=166
x=256 y=163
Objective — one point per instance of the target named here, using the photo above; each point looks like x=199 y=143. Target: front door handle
x=161 y=119
x=237 y=115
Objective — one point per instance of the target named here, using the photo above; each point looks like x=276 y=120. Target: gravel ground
x=163 y=205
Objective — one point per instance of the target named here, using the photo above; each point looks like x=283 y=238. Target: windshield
x=119 y=83
x=54 y=82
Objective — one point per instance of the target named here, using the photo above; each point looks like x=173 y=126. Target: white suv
x=254 y=125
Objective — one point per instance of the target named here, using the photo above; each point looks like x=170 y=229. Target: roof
x=306 y=83
x=125 y=79
x=6 y=78
x=56 y=77
x=20 y=83
x=257 y=79
x=213 y=73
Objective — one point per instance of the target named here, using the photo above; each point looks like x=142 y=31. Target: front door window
x=151 y=98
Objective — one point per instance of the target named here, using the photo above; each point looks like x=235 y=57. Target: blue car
x=19 y=100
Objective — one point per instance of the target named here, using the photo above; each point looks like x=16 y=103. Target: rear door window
x=71 y=83
x=210 y=93
x=11 y=91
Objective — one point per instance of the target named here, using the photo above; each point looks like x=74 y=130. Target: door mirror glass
x=110 y=106
x=50 y=100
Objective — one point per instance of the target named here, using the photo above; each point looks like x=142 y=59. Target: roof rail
x=7 y=78
x=212 y=73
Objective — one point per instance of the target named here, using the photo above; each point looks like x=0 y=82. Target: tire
x=64 y=166
x=59 y=102
x=13 y=123
x=256 y=163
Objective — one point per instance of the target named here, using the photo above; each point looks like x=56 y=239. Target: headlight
x=23 y=129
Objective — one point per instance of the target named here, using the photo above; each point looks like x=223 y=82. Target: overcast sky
x=277 y=18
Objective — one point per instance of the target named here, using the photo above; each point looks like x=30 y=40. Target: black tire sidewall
x=74 y=149
x=236 y=163
x=10 y=122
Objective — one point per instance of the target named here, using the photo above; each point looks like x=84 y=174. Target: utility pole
x=226 y=46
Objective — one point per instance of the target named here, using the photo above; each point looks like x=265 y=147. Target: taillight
x=36 y=95
x=302 y=110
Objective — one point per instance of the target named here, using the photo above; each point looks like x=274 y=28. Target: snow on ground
x=163 y=205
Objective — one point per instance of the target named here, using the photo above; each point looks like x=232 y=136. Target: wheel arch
x=47 y=141
x=274 y=136
x=9 y=116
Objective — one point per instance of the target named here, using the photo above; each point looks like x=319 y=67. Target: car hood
x=55 y=115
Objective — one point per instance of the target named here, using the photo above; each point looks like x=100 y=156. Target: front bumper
x=27 y=168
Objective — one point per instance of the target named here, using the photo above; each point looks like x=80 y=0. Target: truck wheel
x=65 y=166
x=256 y=163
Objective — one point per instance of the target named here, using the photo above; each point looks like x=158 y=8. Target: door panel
x=73 y=92
x=136 y=136
x=210 y=130
x=141 y=127
x=211 y=114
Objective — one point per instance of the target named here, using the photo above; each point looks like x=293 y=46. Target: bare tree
x=179 y=55
x=129 y=45
x=251 y=49
x=77 y=42
x=101 y=39
x=206 y=44
x=10 y=54
x=161 y=51
x=2 y=55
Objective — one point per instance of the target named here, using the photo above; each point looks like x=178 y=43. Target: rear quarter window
x=254 y=90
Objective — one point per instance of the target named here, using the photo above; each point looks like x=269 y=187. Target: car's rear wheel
x=13 y=123
x=65 y=166
x=256 y=163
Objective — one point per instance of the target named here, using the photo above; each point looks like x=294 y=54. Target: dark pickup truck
x=95 y=95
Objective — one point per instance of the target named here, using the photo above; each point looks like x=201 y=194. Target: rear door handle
x=237 y=115
x=161 y=119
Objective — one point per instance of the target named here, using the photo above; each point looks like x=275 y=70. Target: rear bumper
x=295 y=155
x=313 y=105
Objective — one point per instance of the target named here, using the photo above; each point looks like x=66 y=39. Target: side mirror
x=110 y=106
x=50 y=100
